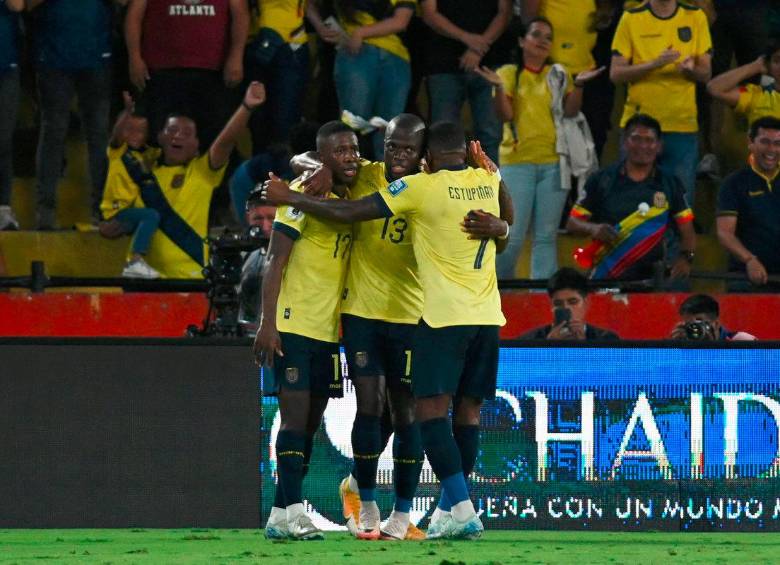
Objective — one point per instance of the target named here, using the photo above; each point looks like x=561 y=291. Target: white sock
x=294 y=510
x=463 y=511
x=277 y=515
x=401 y=517
x=438 y=514
x=353 y=486
x=369 y=507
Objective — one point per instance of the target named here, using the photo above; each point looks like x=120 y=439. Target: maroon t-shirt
x=192 y=34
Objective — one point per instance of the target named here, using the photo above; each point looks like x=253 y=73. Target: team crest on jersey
x=361 y=359
x=294 y=214
x=659 y=200
x=286 y=313
x=685 y=34
x=397 y=187
x=291 y=374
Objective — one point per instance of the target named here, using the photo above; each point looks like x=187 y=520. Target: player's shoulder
x=370 y=175
x=410 y=181
x=481 y=175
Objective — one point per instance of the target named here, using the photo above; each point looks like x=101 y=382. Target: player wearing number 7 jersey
x=299 y=332
x=455 y=348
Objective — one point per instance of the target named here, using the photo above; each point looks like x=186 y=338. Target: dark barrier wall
x=632 y=437
x=133 y=433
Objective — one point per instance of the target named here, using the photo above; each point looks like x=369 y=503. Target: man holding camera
x=700 y=321
x=568 y=290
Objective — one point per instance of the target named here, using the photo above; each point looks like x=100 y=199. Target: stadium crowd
x=539 y=78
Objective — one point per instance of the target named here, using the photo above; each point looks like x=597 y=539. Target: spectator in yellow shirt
x=752 y=100
x=523 y=98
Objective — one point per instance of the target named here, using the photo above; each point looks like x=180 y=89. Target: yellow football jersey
x=530 y=136
x=188 y=189
x=382 y=281
x=391 y=43
x=573 y=34
x=458 y=274
x=663 y=93
x=313 y=280
x=120 y=191
x=758 y=102
x=285 y=17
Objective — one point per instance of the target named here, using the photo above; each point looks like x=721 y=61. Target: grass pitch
x=249 y=546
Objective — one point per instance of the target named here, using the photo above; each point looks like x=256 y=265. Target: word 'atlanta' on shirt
x=471 y=193
x=180 y=10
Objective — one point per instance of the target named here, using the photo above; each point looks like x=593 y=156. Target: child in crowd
x=121 y=207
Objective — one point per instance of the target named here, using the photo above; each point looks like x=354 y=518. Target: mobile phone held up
x=562 y=315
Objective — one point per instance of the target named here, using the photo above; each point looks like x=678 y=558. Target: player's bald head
x=406 y=123
x=446 y=138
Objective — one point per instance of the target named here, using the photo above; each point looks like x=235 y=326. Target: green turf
x=249 y=546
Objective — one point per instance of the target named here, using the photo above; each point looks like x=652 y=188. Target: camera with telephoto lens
x=223 y=273
x=699 y=330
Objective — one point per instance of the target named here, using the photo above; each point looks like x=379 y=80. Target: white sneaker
x=441 y=527
x=470 y=529
x=139 y=269
x=368 y=527
x=302 y=528
x=8 y=220
x=395 y=527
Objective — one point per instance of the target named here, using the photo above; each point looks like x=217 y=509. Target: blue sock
x=444 y=456
x=366 y=449
x=407 y=462
x=467 y=438
x=456 y=489
x=444 y=502
x=290 y=448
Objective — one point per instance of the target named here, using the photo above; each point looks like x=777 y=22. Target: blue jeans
x=285 y=78
x=537 y=197
x=9 y=103
x=142 y=221
x=372 y=83
x=56 y=89
x=448 y=92
x=680 y=156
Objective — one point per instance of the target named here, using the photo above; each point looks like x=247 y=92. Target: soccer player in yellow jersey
x=299 y=332
x=661 y=50
x=455 y=350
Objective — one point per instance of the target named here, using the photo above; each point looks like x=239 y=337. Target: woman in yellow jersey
x=372 y=71
x=753 y=100
x=524 y=99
